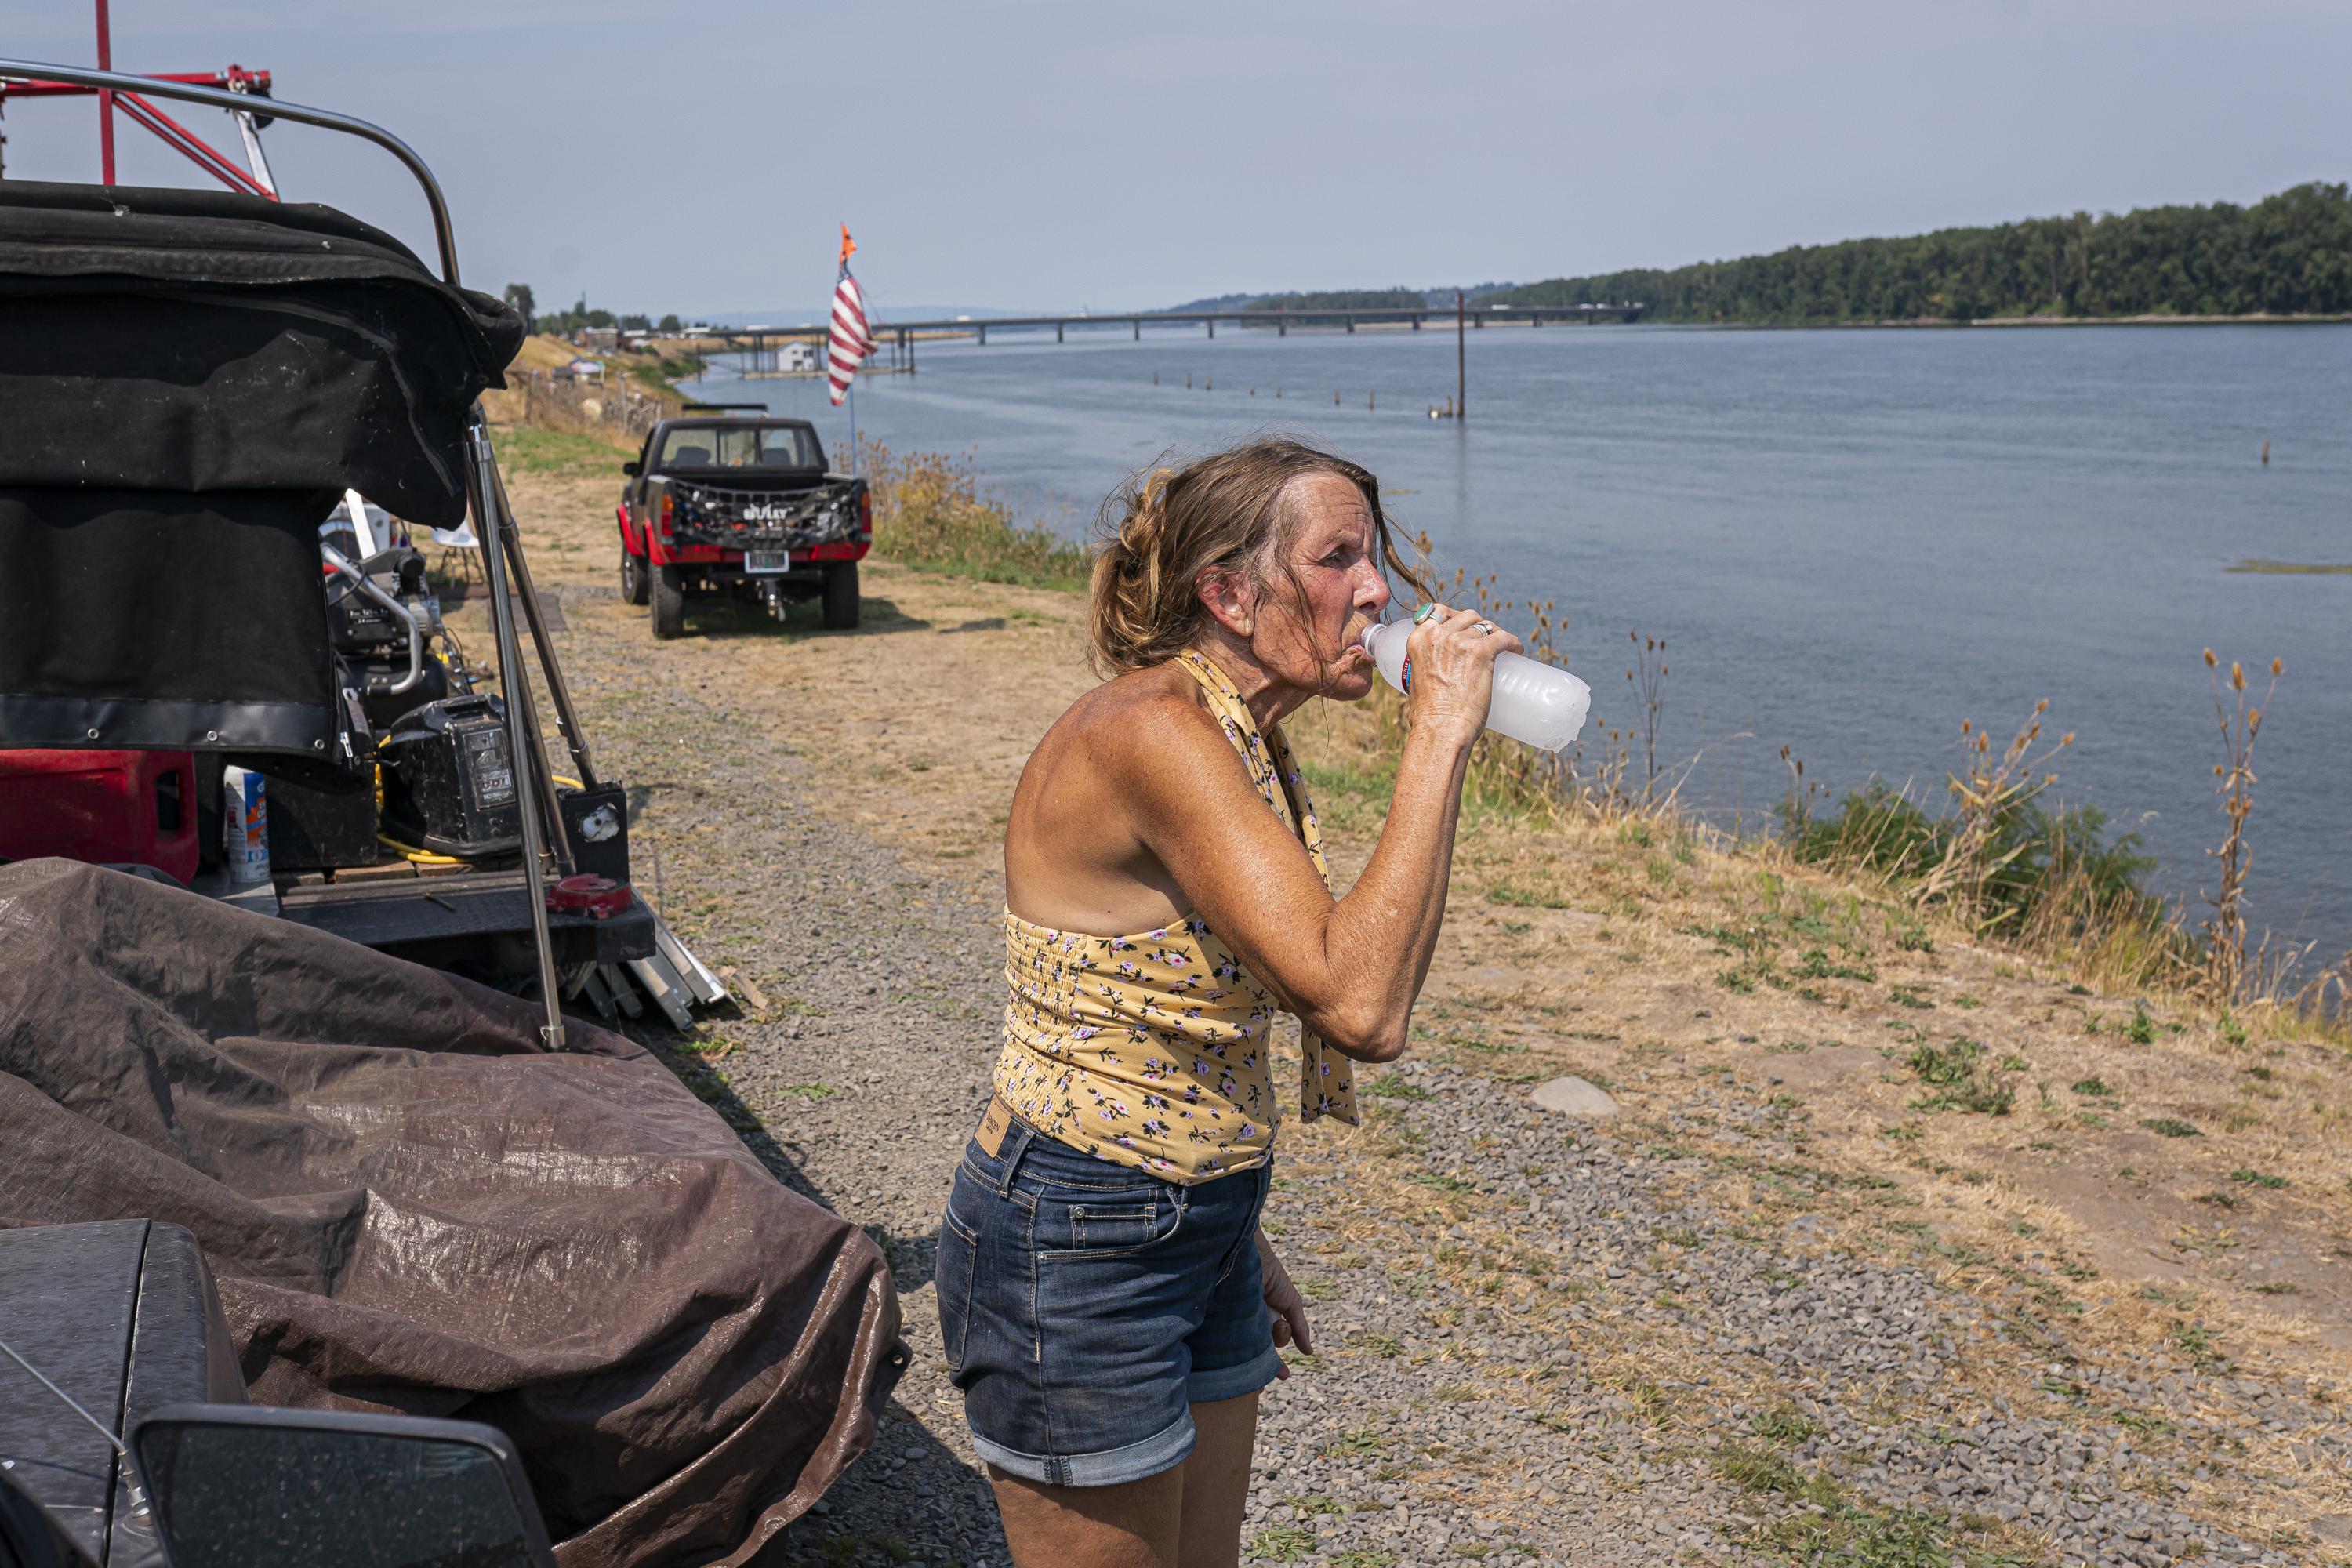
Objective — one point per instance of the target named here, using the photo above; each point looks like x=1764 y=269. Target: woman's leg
x=1132 y=1525
x=1216 y=1482
x=1187 y=1517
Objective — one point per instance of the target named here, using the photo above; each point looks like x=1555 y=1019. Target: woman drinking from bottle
x=1110 y=1306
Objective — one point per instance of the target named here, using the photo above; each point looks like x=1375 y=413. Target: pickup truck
x=741 y=503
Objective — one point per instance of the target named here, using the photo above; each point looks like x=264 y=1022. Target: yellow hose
x=421 y=857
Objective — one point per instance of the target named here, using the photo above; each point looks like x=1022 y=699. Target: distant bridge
x=760 y=338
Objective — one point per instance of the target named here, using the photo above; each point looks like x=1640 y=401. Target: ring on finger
x=1486 y=628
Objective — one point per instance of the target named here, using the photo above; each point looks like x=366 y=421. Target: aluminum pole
x=482 y=489
x=567 y=718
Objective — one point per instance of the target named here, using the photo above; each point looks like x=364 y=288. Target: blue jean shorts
x=1087 y=1306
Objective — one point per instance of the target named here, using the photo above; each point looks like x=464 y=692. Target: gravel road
x=1540 y=1339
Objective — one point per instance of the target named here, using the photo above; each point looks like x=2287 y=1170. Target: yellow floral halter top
x=1153 y=1050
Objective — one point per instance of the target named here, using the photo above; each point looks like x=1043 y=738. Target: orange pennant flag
x=848 y=245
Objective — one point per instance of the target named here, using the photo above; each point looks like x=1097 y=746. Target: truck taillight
x=669 y=504
x=866 y=515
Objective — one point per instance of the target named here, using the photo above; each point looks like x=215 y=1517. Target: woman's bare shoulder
x=1139 y=723
x=1134 y=709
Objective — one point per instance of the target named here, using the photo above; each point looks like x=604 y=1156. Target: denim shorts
x=1087 y=1306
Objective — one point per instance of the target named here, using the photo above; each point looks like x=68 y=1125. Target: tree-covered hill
x=2289 y=254
x=1397 y=298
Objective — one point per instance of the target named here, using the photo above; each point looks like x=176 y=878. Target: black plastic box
x=449 y=780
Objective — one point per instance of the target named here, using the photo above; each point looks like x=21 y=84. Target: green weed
x=1960 y=1079
x=1283 y=1543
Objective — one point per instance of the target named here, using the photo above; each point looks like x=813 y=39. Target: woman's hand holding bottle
x=1451 y=656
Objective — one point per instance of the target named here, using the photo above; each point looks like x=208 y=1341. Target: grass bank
x=930 y=510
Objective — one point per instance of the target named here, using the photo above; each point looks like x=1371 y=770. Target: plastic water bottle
x=1533 y=701
x=244 y=825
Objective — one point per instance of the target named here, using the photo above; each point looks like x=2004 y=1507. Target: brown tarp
x=411 y=1206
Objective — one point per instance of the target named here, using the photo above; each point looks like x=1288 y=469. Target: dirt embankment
x=1895 y=1245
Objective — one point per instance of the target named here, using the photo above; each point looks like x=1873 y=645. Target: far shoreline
x=1937 y=323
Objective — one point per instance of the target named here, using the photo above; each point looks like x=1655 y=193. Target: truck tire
x=668 y=586
x=634 y=587
x=841 y=596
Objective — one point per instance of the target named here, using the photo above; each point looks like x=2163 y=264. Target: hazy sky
x=1023 y=153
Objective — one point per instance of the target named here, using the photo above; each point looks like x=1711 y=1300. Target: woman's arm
x=1351 y=968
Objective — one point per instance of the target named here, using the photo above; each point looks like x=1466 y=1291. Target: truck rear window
x=739 y=446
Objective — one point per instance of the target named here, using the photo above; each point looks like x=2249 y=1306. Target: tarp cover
x=412 y=1207
x=138 y=618
x=198 y=340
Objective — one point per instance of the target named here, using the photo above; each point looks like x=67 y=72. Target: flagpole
x=853 y=421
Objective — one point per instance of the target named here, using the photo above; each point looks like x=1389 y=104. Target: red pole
x=105 y=98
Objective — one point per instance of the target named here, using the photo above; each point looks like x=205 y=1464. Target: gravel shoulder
x=1790 y=1301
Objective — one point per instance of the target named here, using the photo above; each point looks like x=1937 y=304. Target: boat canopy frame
x=546 y=856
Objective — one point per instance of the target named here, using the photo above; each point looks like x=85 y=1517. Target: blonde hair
x=1163 y=527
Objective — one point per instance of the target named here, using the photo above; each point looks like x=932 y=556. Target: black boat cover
x=410 y=1205
x=188 y=380
x=153 y=619
x=202 y=340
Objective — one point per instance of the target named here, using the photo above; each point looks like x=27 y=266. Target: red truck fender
x=630 y=543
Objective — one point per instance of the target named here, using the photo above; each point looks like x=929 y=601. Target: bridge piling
x=1057 y=332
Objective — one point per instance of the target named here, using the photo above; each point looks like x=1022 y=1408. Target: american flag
x=851 y=340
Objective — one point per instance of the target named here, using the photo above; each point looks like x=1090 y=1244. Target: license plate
x=767 y=561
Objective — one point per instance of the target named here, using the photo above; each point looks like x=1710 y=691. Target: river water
x=1850 y=541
